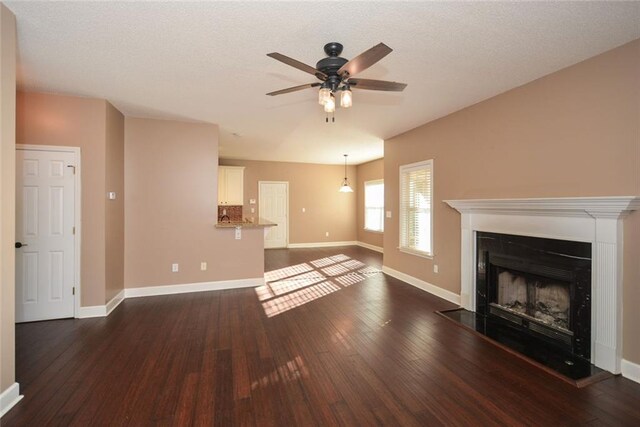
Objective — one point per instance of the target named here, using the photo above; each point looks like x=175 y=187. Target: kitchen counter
x=261 y=223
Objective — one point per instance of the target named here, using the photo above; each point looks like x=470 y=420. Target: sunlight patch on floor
x=291 y=287
x=287 y=272
x=280 y=287
x=290 y=371
x=295 y=299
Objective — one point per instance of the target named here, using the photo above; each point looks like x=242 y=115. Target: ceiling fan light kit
x=336 y=73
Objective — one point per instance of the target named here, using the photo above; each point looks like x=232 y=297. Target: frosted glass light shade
x=324 y=95
x=330 y=105
x=346 y=98
x=345 y=187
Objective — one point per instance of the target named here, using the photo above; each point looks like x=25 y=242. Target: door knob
x=19 y=245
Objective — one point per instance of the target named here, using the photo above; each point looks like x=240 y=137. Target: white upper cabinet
x=231 y=185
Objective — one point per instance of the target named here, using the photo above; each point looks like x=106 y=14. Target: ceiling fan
x=335 y=75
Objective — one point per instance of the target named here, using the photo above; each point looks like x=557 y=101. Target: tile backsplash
x=233 y=212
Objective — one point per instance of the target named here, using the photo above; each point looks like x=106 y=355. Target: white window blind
x=416 y=201
x=374 y=205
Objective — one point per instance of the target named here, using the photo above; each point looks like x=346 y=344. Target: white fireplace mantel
x=597 y=220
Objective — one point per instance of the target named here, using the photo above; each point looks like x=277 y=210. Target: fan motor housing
x=331 y=65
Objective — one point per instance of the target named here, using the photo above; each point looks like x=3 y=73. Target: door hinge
x=74 y=168
x=73 y=230
x=73 y=292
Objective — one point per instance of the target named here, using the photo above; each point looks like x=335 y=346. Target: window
x=374 y=205
x=416 y=191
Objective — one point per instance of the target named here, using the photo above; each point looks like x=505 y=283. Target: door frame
x=286 y=183
x=77 y=212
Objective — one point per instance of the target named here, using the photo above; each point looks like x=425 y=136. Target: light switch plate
x=252 y=201
x=238 y=233
x=388 y=214
x=112 y=195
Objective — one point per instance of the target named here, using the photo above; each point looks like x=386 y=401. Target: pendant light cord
x=345 y=168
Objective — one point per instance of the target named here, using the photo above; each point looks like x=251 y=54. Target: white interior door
x=45 y=210
x=273 y=199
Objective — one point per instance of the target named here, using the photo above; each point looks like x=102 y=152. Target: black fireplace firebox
x=539 y=287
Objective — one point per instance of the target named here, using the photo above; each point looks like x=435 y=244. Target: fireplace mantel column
x=607 y=272
x=468 y=271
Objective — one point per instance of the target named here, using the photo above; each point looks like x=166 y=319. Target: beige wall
x=94 y=126
x=311 y=186
x=572 y=133
x=171 y=185
x=114 y=209
x=7 y=195
x=367 y=172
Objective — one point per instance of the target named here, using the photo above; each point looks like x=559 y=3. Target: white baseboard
x=321 y=244
x=92 y=311
x=114 y=302
x=631 y=370
x=101 y=310
x=372 y=247
x=421 y=284
x=9 y=398
x=147 y=291
x=105 y=310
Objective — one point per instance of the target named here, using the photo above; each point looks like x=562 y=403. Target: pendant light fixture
x=345 y=187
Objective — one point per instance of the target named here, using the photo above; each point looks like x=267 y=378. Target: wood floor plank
x=361 y=349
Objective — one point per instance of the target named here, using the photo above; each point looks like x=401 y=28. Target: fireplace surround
x=596 y=221
x=541 y=287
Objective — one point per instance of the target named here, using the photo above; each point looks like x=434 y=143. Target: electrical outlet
x=238 y=233
x=388 y=214
x=304 y=210
x=326 y=234
x=203 y=266
x=174 y=268
x=253 y=210
x=435 y=268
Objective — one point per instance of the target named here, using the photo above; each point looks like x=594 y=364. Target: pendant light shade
x=345 y=187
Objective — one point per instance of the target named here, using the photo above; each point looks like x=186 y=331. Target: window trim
x=364 y=201
x=406 y=249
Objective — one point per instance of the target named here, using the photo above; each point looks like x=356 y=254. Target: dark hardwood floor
x=332 y=341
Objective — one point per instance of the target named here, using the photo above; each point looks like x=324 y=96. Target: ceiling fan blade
x=377 y=85
x=293 y=89
x=365 y=60
x=297 y=64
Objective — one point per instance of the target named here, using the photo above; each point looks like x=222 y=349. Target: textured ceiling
x=207 y=62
